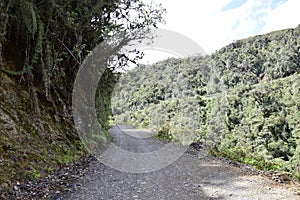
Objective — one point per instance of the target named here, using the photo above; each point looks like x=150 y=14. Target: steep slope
x=31 y=146
x=270 y=56
x=241 y=102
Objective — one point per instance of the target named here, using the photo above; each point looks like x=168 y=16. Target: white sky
x=215 y=23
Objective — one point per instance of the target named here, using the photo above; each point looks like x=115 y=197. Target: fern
x=18 y=73
x=38 y=45
x=28 y=16
x=35 y=57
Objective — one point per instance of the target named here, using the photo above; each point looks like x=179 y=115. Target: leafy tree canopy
x=45 y=42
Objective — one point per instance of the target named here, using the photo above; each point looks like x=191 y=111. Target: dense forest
x=42 y=46
x=241 y=102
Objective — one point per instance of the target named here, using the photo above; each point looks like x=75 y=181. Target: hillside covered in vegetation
x=241 y=102
x=43 y=44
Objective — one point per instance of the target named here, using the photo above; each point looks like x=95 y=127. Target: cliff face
x=31 y=143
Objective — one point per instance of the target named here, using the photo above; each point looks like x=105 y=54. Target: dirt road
x=193 y=176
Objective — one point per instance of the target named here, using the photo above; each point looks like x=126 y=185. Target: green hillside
x=241 y=102
x=43 y=45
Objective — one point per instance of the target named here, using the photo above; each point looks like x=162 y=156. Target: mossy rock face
x=34 y=143
x=30 y=145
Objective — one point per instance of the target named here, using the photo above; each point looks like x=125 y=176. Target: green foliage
x=164 y=132
x=246 y=97
x=34 y=175
x=42 y=46
x=264 y=57
x=52 y=57
x=39 y=45
x=28 y=16
x=103 y=98
x=261 y=126
x=161 y=96
x=18 y=73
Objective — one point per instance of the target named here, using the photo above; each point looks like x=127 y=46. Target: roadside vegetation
x=241 y=102
x=42 y=46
